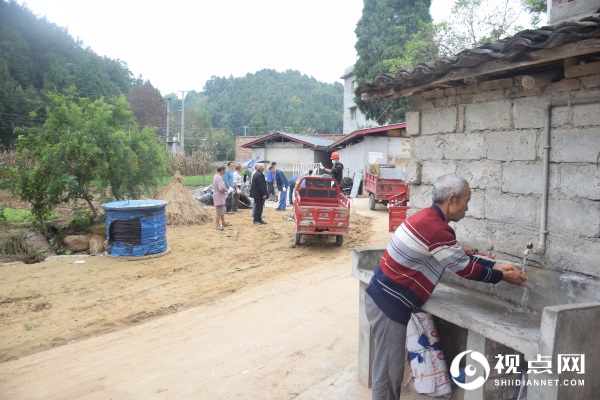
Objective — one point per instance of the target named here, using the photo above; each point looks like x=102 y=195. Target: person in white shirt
x=237 y=187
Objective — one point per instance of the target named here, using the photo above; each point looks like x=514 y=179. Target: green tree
x=382 y=33
x=84 y=148
x=148 y=106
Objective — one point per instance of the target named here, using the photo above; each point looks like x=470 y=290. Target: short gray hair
x=448 y=185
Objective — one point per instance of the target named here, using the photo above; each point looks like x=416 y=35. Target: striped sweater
x=414 y=261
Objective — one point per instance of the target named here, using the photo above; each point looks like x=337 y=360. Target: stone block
x=576 y=254
x=493 y=115
x=561 y=116
x=591 y=81
x=76 y=242
x=418 y=103
x=96 y=244
x=574 y=217
x=428 y=147
x=489 y=95
x=477 y=205
x=580 y=180
x=575 y=145
x=511 y=239
x=439 y=120
x=512 y=209
x=420 y=196
x=481 y=174
x=434 y=169
x=413 y=172
x=527 y=178
x=474 y=233
x=529 y=112
x=586 y=114
x=565 y=85
x=468 y=146
x=413 y=123
x=467 y=89
x=497 y=84
x=433 y=94
x=512 y=145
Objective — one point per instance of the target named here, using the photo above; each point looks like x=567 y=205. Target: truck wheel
x=371 y=201
x=339 y=239
x=298 y=239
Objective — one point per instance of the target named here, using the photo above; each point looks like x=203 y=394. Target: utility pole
x=181 y=138
x=168 y=114
x=245 y=130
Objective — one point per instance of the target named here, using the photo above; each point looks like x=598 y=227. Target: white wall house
x=289 y=149
x=353 y=118
x=391 y=141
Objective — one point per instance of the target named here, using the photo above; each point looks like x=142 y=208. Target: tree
x=148 y=106
x=84 y=143
x=382 y=33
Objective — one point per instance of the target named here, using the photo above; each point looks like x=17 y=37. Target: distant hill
x=268 y=101
x=37 y=55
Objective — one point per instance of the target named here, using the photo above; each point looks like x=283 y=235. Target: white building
x=353 y=118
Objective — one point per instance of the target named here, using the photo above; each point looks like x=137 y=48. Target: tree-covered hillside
x=36 y=56
x=268 y=101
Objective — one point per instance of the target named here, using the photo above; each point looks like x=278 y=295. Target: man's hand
x=505 y=267
x=512 y=274
x=264 y=197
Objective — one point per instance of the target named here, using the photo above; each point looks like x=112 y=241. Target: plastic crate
x=397 y=215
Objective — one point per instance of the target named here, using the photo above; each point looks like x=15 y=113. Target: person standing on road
x=271 y=180
x=237 y=187
x=292 y=183
x=337 y=170
x=258 y=191
x=219 y=195
x=417 y=255
x=228 y=182
x=282 y=184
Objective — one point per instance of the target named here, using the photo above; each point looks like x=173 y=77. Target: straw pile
x=183 y=208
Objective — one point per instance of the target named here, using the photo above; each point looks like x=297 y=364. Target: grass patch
x=197 y=180
x=29 y=326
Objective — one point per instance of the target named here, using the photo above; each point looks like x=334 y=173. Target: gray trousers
x=388 y=363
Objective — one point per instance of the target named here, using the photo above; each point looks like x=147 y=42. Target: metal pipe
x=541 y=247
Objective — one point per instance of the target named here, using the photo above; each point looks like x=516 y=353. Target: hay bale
x=183 y=208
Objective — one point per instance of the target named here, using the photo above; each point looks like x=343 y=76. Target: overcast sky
x=179 y=44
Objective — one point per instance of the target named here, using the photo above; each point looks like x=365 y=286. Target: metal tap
x=528 y=250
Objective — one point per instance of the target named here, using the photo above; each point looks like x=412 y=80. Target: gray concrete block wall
x=496 y=143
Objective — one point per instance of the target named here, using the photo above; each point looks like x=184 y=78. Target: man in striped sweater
x=410 y=268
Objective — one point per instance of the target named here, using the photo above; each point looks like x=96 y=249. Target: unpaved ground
x=60 y=301
x=264 y=320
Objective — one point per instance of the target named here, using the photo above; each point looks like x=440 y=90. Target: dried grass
x=183 y=208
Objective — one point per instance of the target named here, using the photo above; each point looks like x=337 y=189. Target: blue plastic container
x=136 y=228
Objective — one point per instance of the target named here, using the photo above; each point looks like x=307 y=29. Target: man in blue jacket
x=282 y=184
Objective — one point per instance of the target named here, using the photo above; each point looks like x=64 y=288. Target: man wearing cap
x=337 y=170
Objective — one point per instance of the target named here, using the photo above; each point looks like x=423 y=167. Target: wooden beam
x=542 y=79
x=582 y=69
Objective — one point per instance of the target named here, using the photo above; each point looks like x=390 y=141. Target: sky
x=180 y=44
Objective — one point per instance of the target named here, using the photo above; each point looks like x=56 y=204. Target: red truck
x=320 y=209
x=381 y=189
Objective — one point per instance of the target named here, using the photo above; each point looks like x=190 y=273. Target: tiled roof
x=364 y=132
x=525 y=49
x=310 y=141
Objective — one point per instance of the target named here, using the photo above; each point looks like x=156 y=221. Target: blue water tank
x=136 y=228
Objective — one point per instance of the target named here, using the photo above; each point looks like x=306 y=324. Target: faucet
x=528 y=250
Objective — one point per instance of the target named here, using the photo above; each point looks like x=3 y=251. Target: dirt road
x=244 y=314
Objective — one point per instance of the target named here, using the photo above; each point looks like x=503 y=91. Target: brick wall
x=491 y=133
